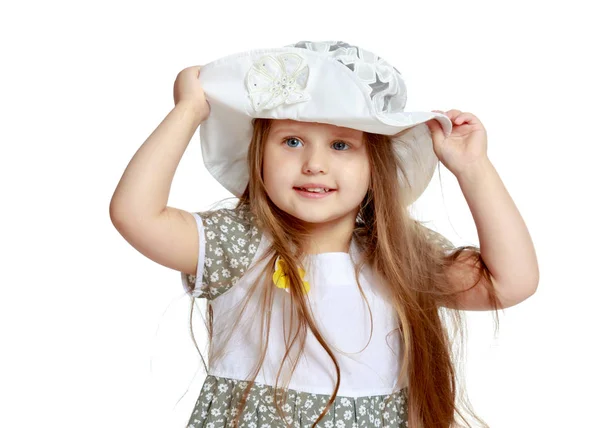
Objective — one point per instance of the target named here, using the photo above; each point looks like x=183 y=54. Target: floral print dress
x=229 y=242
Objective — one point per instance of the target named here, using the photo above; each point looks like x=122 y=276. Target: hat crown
x=385 y=83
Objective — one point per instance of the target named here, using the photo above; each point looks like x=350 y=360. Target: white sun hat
x=328 y=82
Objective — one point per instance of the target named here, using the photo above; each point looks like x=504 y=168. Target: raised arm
x=138 y=208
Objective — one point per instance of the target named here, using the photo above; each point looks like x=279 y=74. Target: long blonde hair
x=408 y=257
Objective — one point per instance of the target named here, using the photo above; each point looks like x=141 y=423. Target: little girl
x=329 y=306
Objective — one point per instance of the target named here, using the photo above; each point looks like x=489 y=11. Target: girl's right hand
x=187 y=90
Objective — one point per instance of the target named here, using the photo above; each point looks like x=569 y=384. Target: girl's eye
x=295 y=144
x=340 y=145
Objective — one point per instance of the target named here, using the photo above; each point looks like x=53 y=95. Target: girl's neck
x=330 y=237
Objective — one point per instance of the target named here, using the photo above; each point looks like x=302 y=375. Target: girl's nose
x=315 y=161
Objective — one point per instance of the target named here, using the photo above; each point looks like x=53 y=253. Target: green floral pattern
x=231 y=242
x=220 y=397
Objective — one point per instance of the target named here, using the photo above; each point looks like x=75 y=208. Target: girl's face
x=330 y=160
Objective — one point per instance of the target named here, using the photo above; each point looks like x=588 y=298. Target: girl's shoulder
x=228 y=244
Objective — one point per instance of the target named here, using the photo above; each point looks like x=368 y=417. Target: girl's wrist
x=193 y=109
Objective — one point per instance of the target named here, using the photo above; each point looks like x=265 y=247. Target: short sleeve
x=228 y=241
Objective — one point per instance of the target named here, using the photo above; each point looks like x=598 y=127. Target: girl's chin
x=317 y=217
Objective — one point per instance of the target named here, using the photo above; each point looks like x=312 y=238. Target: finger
x=433 y=123
x=435 y=129
x=453 y=114
x=464 y=117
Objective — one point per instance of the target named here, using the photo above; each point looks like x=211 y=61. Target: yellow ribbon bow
x=281 y=280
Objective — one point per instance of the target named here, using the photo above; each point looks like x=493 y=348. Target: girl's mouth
x=314 y=192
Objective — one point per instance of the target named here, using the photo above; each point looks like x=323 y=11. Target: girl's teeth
x=315 y=190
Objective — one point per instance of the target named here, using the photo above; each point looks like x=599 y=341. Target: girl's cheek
x=357 y=169
x=288 y=162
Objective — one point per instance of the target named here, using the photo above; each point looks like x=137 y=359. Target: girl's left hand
x=465 y=147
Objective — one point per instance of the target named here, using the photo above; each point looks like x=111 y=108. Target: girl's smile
x=312 y=195
x=314 y=190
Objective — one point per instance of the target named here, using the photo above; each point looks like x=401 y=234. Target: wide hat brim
x=303 y=85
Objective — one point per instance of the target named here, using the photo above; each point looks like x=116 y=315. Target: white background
x=94 y=334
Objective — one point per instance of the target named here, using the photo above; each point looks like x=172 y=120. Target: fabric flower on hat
x=281 y=280
x=277 y=79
